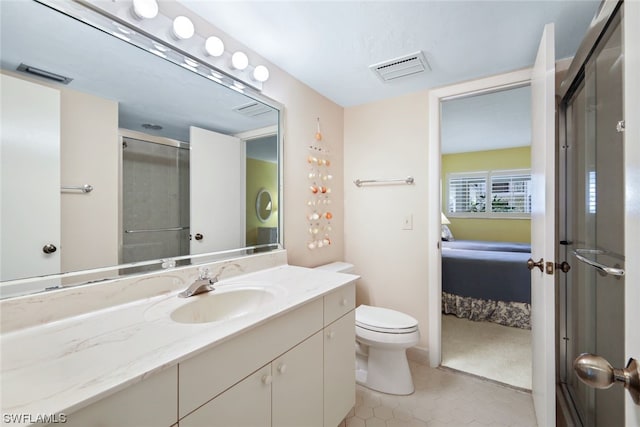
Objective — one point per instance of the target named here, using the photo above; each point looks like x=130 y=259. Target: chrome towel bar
x=580 y=255
x=408 y=180
x=153 y=230
x=83 y=188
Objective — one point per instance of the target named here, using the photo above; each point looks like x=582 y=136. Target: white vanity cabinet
x=312 y=383
x=339 y=354
x=296 y=369
x=297 y=385
x=151 y=402
x=246 y=404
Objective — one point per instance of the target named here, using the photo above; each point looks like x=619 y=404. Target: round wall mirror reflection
x=264 y=205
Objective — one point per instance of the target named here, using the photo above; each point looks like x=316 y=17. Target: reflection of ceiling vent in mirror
x=253 y=109
x=44 y=74
x=403 y=66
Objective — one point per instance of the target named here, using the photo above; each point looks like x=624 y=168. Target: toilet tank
x=338 y=267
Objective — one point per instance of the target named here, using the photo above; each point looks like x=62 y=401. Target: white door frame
x=434 y=282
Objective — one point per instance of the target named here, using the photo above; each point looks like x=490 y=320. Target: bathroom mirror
x=114 y=154
x=264 y=205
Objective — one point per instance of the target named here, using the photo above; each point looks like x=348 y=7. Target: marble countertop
x=65 y=365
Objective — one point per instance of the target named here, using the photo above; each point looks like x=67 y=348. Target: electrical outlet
x=407 y=222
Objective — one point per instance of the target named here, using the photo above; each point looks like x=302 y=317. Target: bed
x=488 y=281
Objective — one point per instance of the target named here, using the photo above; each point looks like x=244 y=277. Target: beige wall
x=388 y=139
x=302 y=106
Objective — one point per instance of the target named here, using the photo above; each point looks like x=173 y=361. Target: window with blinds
x=489 y=194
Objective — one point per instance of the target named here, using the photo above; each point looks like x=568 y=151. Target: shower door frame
x=631 y=137
x=140 y=136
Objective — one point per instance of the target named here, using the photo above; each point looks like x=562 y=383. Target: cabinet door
x=339 y=369
x=246 y=404
x=297 y=385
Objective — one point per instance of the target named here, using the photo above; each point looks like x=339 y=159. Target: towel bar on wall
x=83 y=188
x=408 y=180
x=153 y=230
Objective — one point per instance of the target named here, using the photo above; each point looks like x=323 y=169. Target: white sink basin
x=221 y=305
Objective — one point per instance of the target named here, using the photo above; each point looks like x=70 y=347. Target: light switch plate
x=407 y=222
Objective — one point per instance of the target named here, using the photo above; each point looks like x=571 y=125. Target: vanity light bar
x=179 y=33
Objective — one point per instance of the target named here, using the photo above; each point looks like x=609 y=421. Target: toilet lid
x=384 y=320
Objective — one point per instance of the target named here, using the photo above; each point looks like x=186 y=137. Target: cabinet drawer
x=212 y=372
x=339 y=302
x=152 y=402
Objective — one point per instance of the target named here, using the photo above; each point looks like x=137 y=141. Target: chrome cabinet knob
x=49 y=248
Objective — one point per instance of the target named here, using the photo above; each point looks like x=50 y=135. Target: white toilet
x=382 y=338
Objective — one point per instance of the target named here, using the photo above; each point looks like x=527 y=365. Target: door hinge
x=620 y=126
x=549 y=267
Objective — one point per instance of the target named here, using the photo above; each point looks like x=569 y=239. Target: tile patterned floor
x=443 y=398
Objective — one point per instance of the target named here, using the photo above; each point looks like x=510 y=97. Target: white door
x=217 y=191
x=30 y=179
x=543 y=229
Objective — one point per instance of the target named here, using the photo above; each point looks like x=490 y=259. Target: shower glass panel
x=155 y=201
x=593 y=309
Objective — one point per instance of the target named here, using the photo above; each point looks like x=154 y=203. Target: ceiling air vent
x=253 y=109
x=44 y=74
x=403 y=66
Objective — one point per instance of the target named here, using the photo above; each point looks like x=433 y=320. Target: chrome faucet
x=200 y=286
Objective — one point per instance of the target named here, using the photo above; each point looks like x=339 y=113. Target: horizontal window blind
x=511 y=193
x=467 y=194
x=493 y=193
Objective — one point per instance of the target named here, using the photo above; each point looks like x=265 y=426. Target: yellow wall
x=504 y=230
x=258 y=173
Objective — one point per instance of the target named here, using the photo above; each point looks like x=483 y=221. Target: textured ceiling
x=329 y=45
x=148 y=89
x=489 y=121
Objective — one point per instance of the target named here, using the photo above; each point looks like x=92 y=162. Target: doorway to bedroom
x=486 y=235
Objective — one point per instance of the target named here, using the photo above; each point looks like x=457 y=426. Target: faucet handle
x=204 y=273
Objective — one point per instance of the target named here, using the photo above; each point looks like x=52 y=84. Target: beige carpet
x=486 y=349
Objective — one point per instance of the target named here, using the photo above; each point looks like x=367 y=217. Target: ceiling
x=489 y=121
x=148 y=88
x=329 y=45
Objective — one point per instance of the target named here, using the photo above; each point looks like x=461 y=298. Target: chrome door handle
x=597 y=372
x=580 y=255
x=531 y=264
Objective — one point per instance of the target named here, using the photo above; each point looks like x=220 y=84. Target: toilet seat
x=385 y=320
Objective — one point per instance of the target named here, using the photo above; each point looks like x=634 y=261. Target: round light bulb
x=183 y=28
x=145 y=9
x=239 y=60
x=214 y=46
x=261 y=73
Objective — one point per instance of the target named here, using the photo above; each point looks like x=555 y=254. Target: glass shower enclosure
x=155 y=200
x=591 y=309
